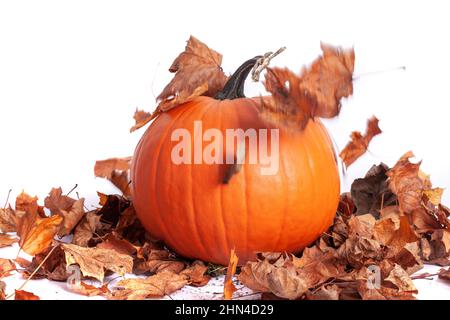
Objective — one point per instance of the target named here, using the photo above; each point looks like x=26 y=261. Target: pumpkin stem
x=234 y=88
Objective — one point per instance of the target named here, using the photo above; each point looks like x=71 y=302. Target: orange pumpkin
x=190 y=208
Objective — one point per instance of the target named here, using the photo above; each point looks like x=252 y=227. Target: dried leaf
x=444 y=274
x=229 y=288
x=141 y=118
x=94 y=261
x=330 y=292
x=408 y=183
x=86 y=228
x=6 y=267
x=2 y=291
x=36 y=234
x=7 y=240
x=315 y=93
x=69 y=209
x=54 y=268
x=115 y=170
x=113 y=242
x=197 y=72
x=196 y=274
x=400 y=278
x=7 y=220
x=25 y=295
x=90 y=290
x=156 y=261
x=359 y=143
x=434 y=195
x=158 y=285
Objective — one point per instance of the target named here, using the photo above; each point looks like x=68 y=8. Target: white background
x=73 y=72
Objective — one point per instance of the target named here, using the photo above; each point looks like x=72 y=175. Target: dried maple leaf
x=90 y=290
x=400 y=279
x=7 y=240
x=408 y=183
x=197 y=72
x=94 y=261
x=156 y=261
x=228 y=287
x=141 y=118
x=114 y=242
x=36 y=234
x=434 y=195
x=7 y=220
x=330 y=292
x=69 y=209
x=53 y=268
x=158 y=285
x=25 y=295
x=359 y=143
x=316 y=92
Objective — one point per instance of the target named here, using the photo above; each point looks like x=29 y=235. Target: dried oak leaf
x=228 y=287
x=359 y=143
x=25 y=295
x=197 y=72
x=7 y=220
x=316 y=92
x=117 y=171
x=158 y=285
x=7 y=240
x=94 y=261
x=69 y=209
x=408 y=183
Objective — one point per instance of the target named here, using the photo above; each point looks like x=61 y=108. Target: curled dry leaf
x=408 y=183
x=359 y=143
x=158 y=285
x=2 y=290
x=156 y=261
x=25 y=295
x=94 y=261
x=7 y=220
x=316 y=92
x=141 y=118
x=229 y=288
x=7 y=240
x=53 y=268
x=86 y=228
x=69 y=209
x=114 y=242
x=197 y=72
x=400 y=279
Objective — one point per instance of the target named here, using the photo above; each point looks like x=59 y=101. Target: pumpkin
x=200 y=216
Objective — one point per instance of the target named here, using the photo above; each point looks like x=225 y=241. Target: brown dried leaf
x=408 y=183
x=85 y=230
x=117 y=171
x=197 y=72
x=25 y=295
x=400 y=279
x=228 y=287
x=69 y=209
x=94 y=261
x=54 y=268
x=444 y=274
x=359 y=143
x=114 y=242
x=141 y=118
x=7 y=220
x=6 y=266
x=315 y=93
x=90 y=290
x=2 y=290
x=434 y=195
x=7 y=240
x=330 y=292
x=195 y=273
x=158 y=285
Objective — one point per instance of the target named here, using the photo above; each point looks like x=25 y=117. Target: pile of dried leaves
x=386 y=228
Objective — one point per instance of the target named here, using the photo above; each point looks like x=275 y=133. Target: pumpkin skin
x=196 y=215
